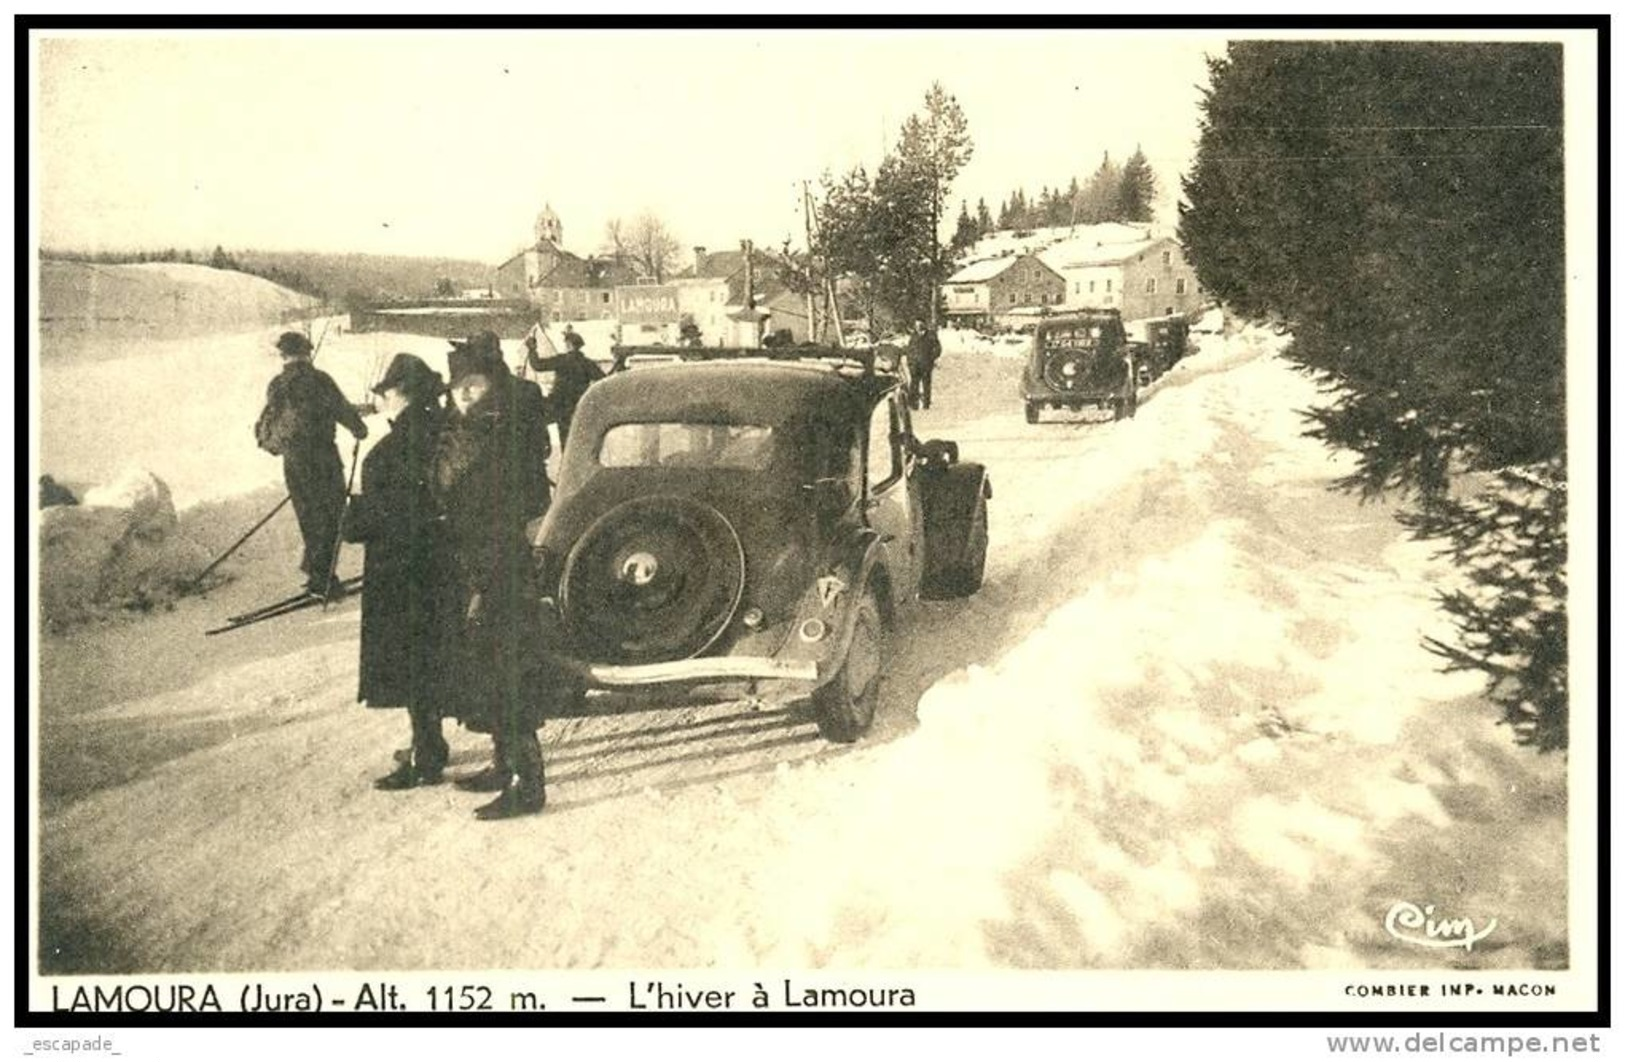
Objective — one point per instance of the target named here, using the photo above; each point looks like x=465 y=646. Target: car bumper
x=696 y=671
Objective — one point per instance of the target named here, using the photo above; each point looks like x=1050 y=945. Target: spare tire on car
x=651 y=580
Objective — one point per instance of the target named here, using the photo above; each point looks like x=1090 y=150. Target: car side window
x=883 y=463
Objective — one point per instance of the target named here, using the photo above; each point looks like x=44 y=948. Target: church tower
x=548 y=228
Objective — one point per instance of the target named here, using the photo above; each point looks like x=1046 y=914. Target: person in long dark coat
x=303 y=406
x=394 y=519
x=530 y=406
x=487 y=625
x=924 y=348
x=574 y=372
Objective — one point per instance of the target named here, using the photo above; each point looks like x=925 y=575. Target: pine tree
x=1136 y=189
x=1400 y=206
x=1020 y=217
x=935 y=145
x=965 y=230
x=1099 y=200
x=984 y=219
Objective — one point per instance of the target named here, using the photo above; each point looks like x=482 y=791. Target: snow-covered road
x=1187 y=723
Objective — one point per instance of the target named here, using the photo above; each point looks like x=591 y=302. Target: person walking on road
x=303 y=407
x=574 y=372
x=924 y=348
x=393 y=519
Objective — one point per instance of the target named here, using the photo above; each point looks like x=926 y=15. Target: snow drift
x=117 y=549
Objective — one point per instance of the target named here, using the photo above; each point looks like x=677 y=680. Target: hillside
x=371 y=276
x=87 y=308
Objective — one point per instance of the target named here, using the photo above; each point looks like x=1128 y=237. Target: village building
x=988 y=291
x=1145 y=278
x=719 y=297
x=561 y=285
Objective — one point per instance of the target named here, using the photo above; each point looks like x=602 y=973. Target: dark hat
x=572 y=339
x=411 y=376
x=486 y=340
x=466 y=358
x=293 y=344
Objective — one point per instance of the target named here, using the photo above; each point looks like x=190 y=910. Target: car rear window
x=675 y=444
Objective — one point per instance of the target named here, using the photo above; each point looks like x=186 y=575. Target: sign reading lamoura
x=652 y=304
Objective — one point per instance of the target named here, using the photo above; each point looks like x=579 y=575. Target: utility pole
x=812 y=274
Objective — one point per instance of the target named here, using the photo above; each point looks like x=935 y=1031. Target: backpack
x=277 y=426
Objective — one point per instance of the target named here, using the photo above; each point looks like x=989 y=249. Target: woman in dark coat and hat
x=393 y=517
x=486 y=630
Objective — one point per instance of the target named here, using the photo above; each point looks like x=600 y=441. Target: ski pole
x=338 y=540
x=286 y=498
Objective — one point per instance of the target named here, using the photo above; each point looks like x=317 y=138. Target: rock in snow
x=117 y=550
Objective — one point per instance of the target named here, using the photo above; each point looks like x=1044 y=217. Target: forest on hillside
x=1113 y=192
x=343 y=279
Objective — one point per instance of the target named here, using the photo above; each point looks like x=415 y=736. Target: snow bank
x=117 y=549
x=1208 y=738
x=969 y=341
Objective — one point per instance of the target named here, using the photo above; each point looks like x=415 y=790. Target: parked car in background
x=1080 y=360
x=1157 y=344
x=729 y=517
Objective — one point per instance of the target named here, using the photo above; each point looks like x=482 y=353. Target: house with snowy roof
x=1148 y=277
x=982 y=292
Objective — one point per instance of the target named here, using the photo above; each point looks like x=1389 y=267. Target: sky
x=449 y=142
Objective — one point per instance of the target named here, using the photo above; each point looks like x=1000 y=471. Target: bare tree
x=615 y=238
x=651 y=245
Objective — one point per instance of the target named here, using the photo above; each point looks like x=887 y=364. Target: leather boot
x=426 y=760
x=410 y=775
x=526 y=791
x=493 y=777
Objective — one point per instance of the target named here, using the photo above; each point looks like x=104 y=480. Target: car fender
x=950 y=496
x=825 y=617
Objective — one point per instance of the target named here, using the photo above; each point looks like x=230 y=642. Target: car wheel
x=845 y=705
x=1032 y=412
x=965 y=578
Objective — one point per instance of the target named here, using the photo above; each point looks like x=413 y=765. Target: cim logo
x=1417 y=925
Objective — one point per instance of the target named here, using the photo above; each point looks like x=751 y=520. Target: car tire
x=844 y=707
x=1032 y=412
x=965 y=578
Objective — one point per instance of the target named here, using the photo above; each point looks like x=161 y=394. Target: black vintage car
x=730 y=517
x=1077 y=360
x=1165 y=344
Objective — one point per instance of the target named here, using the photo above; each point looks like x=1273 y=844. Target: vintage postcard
x=818 y=523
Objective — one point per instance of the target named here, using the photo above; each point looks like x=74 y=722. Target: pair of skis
x=296 y=603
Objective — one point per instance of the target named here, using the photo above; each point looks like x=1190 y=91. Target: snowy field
x=1187 y=724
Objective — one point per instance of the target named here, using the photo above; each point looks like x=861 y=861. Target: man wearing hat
x=574 y=372
x=487 y=636
x=393 y=518
x=302 y=408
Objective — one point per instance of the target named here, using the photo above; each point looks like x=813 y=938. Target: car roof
x=733 y=391
x=1077 y=317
